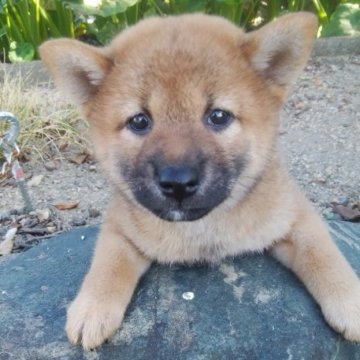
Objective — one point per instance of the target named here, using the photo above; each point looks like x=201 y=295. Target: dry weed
x=49 y=124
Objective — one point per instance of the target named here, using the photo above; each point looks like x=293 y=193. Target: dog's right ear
x=76 y=68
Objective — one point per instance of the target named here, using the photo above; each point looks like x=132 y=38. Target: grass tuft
x=49 y=124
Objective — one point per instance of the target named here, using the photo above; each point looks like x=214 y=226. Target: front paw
x=92 y=319
x=343 y=314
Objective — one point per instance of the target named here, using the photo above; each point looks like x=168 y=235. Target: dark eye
x=140 y=123
x=218 y=119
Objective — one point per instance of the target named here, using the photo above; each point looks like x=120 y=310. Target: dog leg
x=315 y=259
x=98 y=309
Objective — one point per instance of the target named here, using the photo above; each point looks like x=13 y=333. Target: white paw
x=92 y=320
x=344 y=315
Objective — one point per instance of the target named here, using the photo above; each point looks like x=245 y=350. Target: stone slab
x=337 y=45
x=248 y=308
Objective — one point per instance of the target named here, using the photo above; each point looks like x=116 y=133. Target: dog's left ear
x=279 y=50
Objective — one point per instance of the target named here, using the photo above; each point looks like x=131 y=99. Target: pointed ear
x=279 y=50
x=76 y=68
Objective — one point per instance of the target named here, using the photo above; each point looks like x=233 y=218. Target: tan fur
x=173 y=67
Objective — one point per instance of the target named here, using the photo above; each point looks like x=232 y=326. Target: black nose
x=178 y=182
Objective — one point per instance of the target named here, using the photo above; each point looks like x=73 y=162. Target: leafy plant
x=108 y=17
x=20 y=52
x=25 y=24
x=344 y=21
x=103 y=19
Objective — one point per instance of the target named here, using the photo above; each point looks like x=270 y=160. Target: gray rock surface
x=244 y=308
x=335 y=46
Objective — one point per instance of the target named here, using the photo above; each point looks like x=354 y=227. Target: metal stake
x=8 y=145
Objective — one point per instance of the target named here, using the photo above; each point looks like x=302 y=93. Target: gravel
x=320 y=130
x=319 y=135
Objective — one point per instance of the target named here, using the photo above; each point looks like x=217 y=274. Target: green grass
x=31 y=22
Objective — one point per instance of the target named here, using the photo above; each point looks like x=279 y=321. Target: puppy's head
x=183 y=110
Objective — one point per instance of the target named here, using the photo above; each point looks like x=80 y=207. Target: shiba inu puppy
x=184 y=115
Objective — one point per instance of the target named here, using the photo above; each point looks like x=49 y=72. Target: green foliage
x=97 y=21
x=344 y=21
x=31 y=22
x=101 y=20
x=104 y=8
x=20 y=52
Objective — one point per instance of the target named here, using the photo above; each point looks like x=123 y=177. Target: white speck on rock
x=189 y=295
x=265 y=295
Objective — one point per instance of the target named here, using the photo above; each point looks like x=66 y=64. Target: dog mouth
x=178 y=215
x=181 y=191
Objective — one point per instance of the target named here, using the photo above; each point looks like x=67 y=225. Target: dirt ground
x=319 y=136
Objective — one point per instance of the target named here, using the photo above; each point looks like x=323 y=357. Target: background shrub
x=25 y=24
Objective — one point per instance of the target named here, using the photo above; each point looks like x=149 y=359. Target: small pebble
x=78 y=221
x=51 y=229
x=50 y=165
x=99 y=185
x=43 y=214
x=328 y=214
x=343 y=200
x=23 y=222
x=35 y=181
x=16 y=211
x=320 y=180
x=93 y=213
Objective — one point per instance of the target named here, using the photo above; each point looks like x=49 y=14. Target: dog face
x=183 y=110
x=180 y=140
